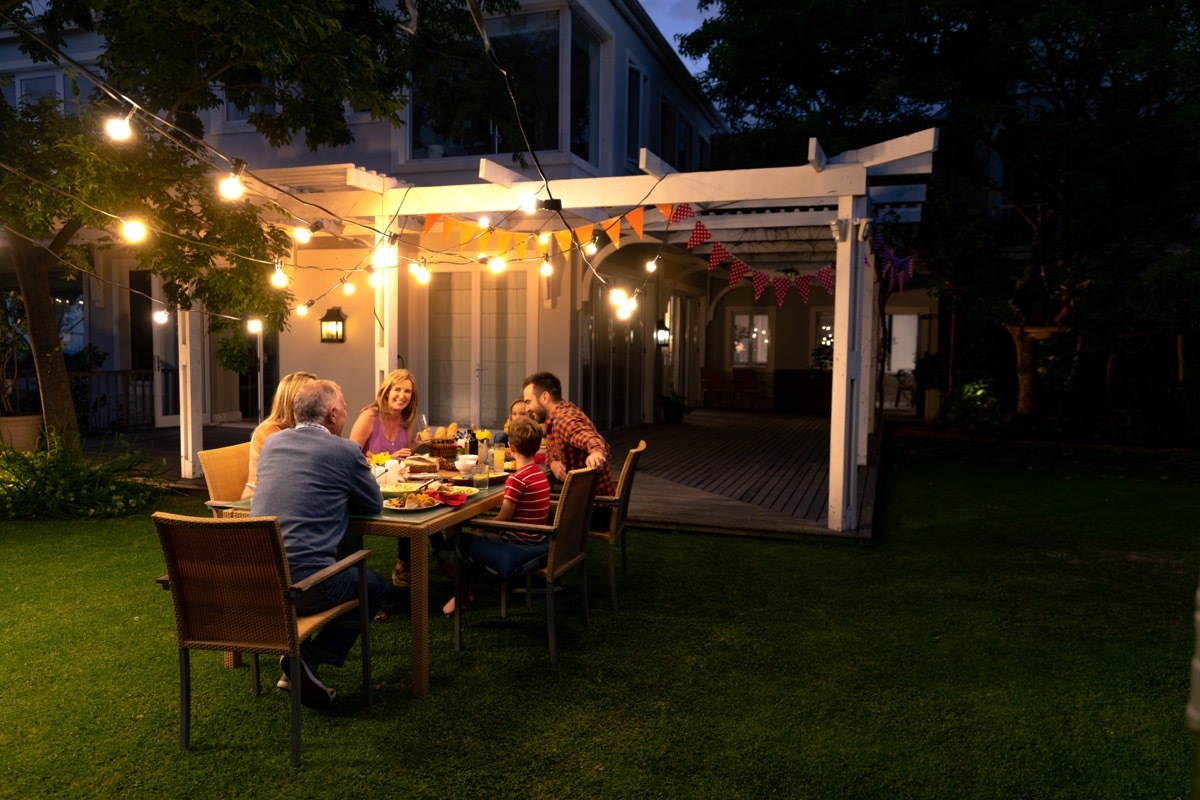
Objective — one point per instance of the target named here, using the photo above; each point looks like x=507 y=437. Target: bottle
x=472 y=442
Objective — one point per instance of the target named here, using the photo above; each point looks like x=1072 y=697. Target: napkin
x=449 y=499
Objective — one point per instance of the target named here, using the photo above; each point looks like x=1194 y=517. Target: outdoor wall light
x=662 y=335
x=333 y=326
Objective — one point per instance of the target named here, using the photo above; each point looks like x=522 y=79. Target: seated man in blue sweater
x=312 y=480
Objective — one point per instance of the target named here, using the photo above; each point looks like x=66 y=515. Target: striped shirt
x=529 y=489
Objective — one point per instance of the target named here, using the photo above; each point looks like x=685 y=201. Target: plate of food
x=463 y=490
x=411 y=503
x=493 y=477
x=399 y=489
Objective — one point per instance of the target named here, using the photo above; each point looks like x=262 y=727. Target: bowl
x=464 y=463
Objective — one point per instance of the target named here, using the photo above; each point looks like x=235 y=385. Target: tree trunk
x=33 y=265
x=1025 y=340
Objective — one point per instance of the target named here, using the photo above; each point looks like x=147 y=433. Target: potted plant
x=674 y=406
x=16 y=430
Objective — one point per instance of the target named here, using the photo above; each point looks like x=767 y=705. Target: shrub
x=53 y=483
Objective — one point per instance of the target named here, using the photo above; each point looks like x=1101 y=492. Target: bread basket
x=444 y=448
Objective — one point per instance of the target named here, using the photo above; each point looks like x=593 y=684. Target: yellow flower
x=483 y=433
x=506 y=427
x=381 y=459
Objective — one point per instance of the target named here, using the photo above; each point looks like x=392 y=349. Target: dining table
x=416 y=526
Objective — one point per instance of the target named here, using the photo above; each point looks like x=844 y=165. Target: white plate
x=413 y=510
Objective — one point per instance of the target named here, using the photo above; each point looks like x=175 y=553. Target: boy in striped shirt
x=526 y=499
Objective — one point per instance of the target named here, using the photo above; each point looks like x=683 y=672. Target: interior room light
x=133 y=230
x=618 y=296
x=231 y=187
x=278 y=278
x=162 y=316
x=254 y=325
x=496 y=264
x=118 y=128
x=547 y=269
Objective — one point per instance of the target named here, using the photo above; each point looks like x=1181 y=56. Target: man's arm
x=365 y=497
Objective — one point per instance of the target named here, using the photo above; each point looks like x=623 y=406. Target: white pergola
x=786 y=216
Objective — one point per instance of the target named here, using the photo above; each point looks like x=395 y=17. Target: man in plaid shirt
x=572 y=441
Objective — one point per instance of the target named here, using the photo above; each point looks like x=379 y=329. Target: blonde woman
x=282 y=417
x=386 y=426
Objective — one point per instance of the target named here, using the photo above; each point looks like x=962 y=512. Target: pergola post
x=191 y=393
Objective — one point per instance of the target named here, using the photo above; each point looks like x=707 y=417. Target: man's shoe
x=313 y=693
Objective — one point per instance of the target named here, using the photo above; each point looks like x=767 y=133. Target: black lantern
x=333 y=326
x=662 y=335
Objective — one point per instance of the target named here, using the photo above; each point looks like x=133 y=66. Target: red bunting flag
x=700 y=234
x=430 y=221
x=718 y=255
x=802 y=282
x=825 y=278
x=760 y=283
x=781 y=287
x=682 y=211
x=737 y=270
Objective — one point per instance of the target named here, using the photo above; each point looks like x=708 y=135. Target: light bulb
x=543 y=238
x=626 y=309
x=302 y=234
x=652 y=265
x=385 y=255
x=590 y=248
x=422 y=275
x=162 y=317
x=254 y=325
x=278 y=278
x=618 y=296
x=413 y=267
x=547 y=269
x=496 y=264
x=133 y=230
x=118 y=128
x=302 y=311
x=484 y=221
x=347 y=287
x=231 y=187
x=529 y=203
x=376 y=279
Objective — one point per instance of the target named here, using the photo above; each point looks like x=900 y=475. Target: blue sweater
x=312 y=481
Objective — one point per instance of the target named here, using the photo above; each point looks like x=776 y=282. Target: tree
x=1067 y=150
x=309 y=60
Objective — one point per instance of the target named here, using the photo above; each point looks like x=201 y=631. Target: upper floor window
x=34 y=88
x=235 y=114
x=634 y=103
x=528 y=47
x=585 y=91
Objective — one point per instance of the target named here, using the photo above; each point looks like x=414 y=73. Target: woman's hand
x=402 y=453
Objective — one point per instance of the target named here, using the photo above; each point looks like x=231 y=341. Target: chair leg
x=550 y=620
x=294 y=662
x=504 y=599
x=185 y=698
x=587 y=614
x=254 y=681
x=458 y=598
x=233 y=659
x=612 y=575
x=364 y=623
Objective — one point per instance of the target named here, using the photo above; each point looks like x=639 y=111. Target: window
x=902 y=344
x=822 y=352
x=585 y=91
x=633 y=114
x=750 y=338
x=527 y=45
x=235 y=114
x=35 y=88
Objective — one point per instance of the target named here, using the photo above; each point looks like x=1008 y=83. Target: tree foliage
x=296 y=66
x=1062 y=201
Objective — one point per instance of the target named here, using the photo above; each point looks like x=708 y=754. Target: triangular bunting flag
x=825 y=278
x=449 y=226
x=700 y=234
x=584 y=233
x=613 y=228
x=504 y=241
x=682 y=211
x=564 y=241
x=430 y=221
x=760 y=283
x=466 y=232
x=737 y=270
x=718 y=255
x=483 y=239
x=637 y=219
x=522 y=244
x=802 y=282
x=781 y=286
x=665 y=209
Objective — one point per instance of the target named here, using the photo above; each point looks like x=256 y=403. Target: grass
x=1021 y=627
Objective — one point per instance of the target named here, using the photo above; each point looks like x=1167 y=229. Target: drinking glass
x=479 y=476
x=423 y=428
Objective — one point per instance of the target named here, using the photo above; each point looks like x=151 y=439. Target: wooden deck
x=738 y=473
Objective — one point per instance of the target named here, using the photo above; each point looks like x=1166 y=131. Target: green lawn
x=1020 y=628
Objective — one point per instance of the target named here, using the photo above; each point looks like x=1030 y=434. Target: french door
x=153 y=347
x=482 y=344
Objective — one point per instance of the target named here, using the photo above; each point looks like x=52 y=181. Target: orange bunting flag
x=584 y=233
x=430 y=221
x=521 y=245
x=665 y=209
x=504 y=240
x=466 y=232
x=564 y=241
x=637 y=219
x=449 y=226
x=613 y=228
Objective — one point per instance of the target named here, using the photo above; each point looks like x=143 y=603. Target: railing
x=113 y=400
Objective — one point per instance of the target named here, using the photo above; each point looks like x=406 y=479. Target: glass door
x=166 y=366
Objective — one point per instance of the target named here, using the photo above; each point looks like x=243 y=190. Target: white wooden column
x=386 y=339
x=191 y=393
x=869 y=374
x=845 y=412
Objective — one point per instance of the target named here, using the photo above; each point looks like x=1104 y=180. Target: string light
x=302 y=311
x=278 y=278
x=484 y=222
x=529 y=203
x=590 y=247
x=254 y=325
x=547 y=269
x=618 y=296
x=347 y=286
x=387 y=252
x=374 y=278
x=652 y=264
x=543 y=238
x=231 y=187
x=422 y=274
x=626 y=309
x=118 y=128
x=161 y=316
x=496 y=265
x=303 y=233
x=133 y=230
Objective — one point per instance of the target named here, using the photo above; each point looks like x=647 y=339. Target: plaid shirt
x=570 y=436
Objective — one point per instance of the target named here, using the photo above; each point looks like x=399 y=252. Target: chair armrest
x=333 y=569
x=605 y=500
x=509 y=525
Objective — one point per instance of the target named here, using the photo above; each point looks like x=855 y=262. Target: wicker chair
x=225 y=472
x=230 y=583
x=568 y=549
x=619 y=504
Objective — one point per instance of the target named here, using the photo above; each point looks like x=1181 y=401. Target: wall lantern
x=662 y=335
x=333 y=326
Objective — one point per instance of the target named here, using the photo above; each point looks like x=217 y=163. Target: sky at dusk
x=672 y=17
